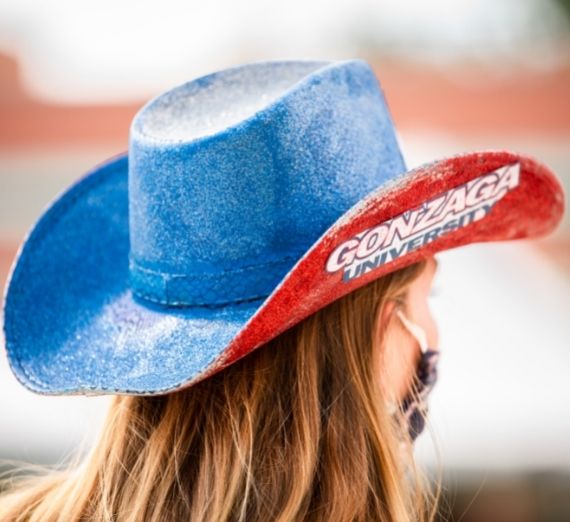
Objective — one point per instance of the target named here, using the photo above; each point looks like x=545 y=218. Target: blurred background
x=458 y=76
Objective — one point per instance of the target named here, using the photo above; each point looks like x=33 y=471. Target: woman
x=294 y=431
x=253 y=285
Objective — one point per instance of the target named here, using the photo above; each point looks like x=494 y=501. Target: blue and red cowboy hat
x=249 y=199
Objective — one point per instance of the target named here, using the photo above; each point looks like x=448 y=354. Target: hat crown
x=234 y=175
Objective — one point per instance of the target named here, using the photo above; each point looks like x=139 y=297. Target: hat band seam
x=205 y=289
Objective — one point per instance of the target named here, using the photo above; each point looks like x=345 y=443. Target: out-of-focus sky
x=103 y=51
x=457 y=75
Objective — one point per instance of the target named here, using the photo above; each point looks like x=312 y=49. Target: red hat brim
x=530 y=210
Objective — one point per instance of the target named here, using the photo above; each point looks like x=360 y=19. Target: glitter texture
x=210 y=236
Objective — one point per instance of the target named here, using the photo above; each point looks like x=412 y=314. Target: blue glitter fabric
x=137 y=277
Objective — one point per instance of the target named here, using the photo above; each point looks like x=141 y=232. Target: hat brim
x=72 y=325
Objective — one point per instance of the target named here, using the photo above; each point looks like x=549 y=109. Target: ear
x=385 y=316
x=387 y=311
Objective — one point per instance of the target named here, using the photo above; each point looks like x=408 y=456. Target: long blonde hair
x=296 y=430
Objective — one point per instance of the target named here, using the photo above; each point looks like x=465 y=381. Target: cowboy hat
x=249 y=199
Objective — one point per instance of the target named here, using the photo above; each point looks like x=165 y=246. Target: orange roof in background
x=25 y=121
x=461 y=98
x=473 y=98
